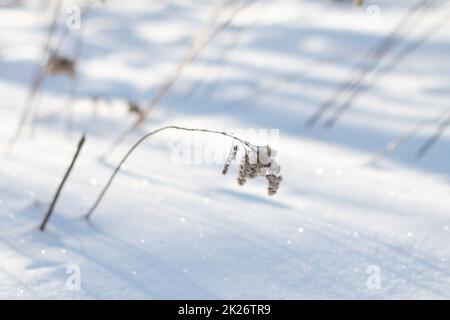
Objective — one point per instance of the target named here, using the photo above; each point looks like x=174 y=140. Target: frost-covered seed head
x=260 y=162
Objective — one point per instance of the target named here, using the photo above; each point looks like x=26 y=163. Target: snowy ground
x=184 y=231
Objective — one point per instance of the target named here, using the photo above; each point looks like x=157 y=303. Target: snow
x=172 y=230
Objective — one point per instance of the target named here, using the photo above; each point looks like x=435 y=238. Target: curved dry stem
x=145 y=137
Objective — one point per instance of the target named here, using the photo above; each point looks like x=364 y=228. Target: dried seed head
x=266 y=154
x=61 y=65
x=231 y=157
x=225 y=168
x=271 y=191
x=260 y=162
x=134 y=108
x=274 y=183
x=241 y=179
x=242 y=175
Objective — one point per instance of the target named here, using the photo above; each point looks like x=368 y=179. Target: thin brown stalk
x=398 y=58
x=38 y=81
x=434 y=138
x=145 y=137
x=51 y=31
x=188 y=59
x=40 y=75
x=210 y=85
x=394 y=144
x=378 y=52
x=61 y=185
x=284 y=81
x=75 y=80
x=195 y=87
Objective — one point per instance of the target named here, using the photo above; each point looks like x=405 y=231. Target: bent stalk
x=145 y=137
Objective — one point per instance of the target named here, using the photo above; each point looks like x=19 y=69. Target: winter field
x=348 y=220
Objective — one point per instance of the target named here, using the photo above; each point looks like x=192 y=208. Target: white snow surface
x=170 y=230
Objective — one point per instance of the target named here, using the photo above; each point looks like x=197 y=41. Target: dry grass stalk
x=209 y=85
x=193 y=52
x=434 y=138
x=39 y=77
x=61 y=185
x=394 y=144
x=265 y=164
x=44 y=71
x=377 y=53
x=376 y=76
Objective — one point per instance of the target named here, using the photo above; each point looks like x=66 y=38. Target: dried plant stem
x=378 y=52
x=50 y=34
x=61 y=185
x=145 y=137
x=195 y=50
x=187 y=58
x=284 y=81
x=209 y=86
x=196 y=87
x=399 y=57
x=51 y=31
x=75 y=80
x=38 y=81
x=394 y=144
x=70 y=105
x=434 y=138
